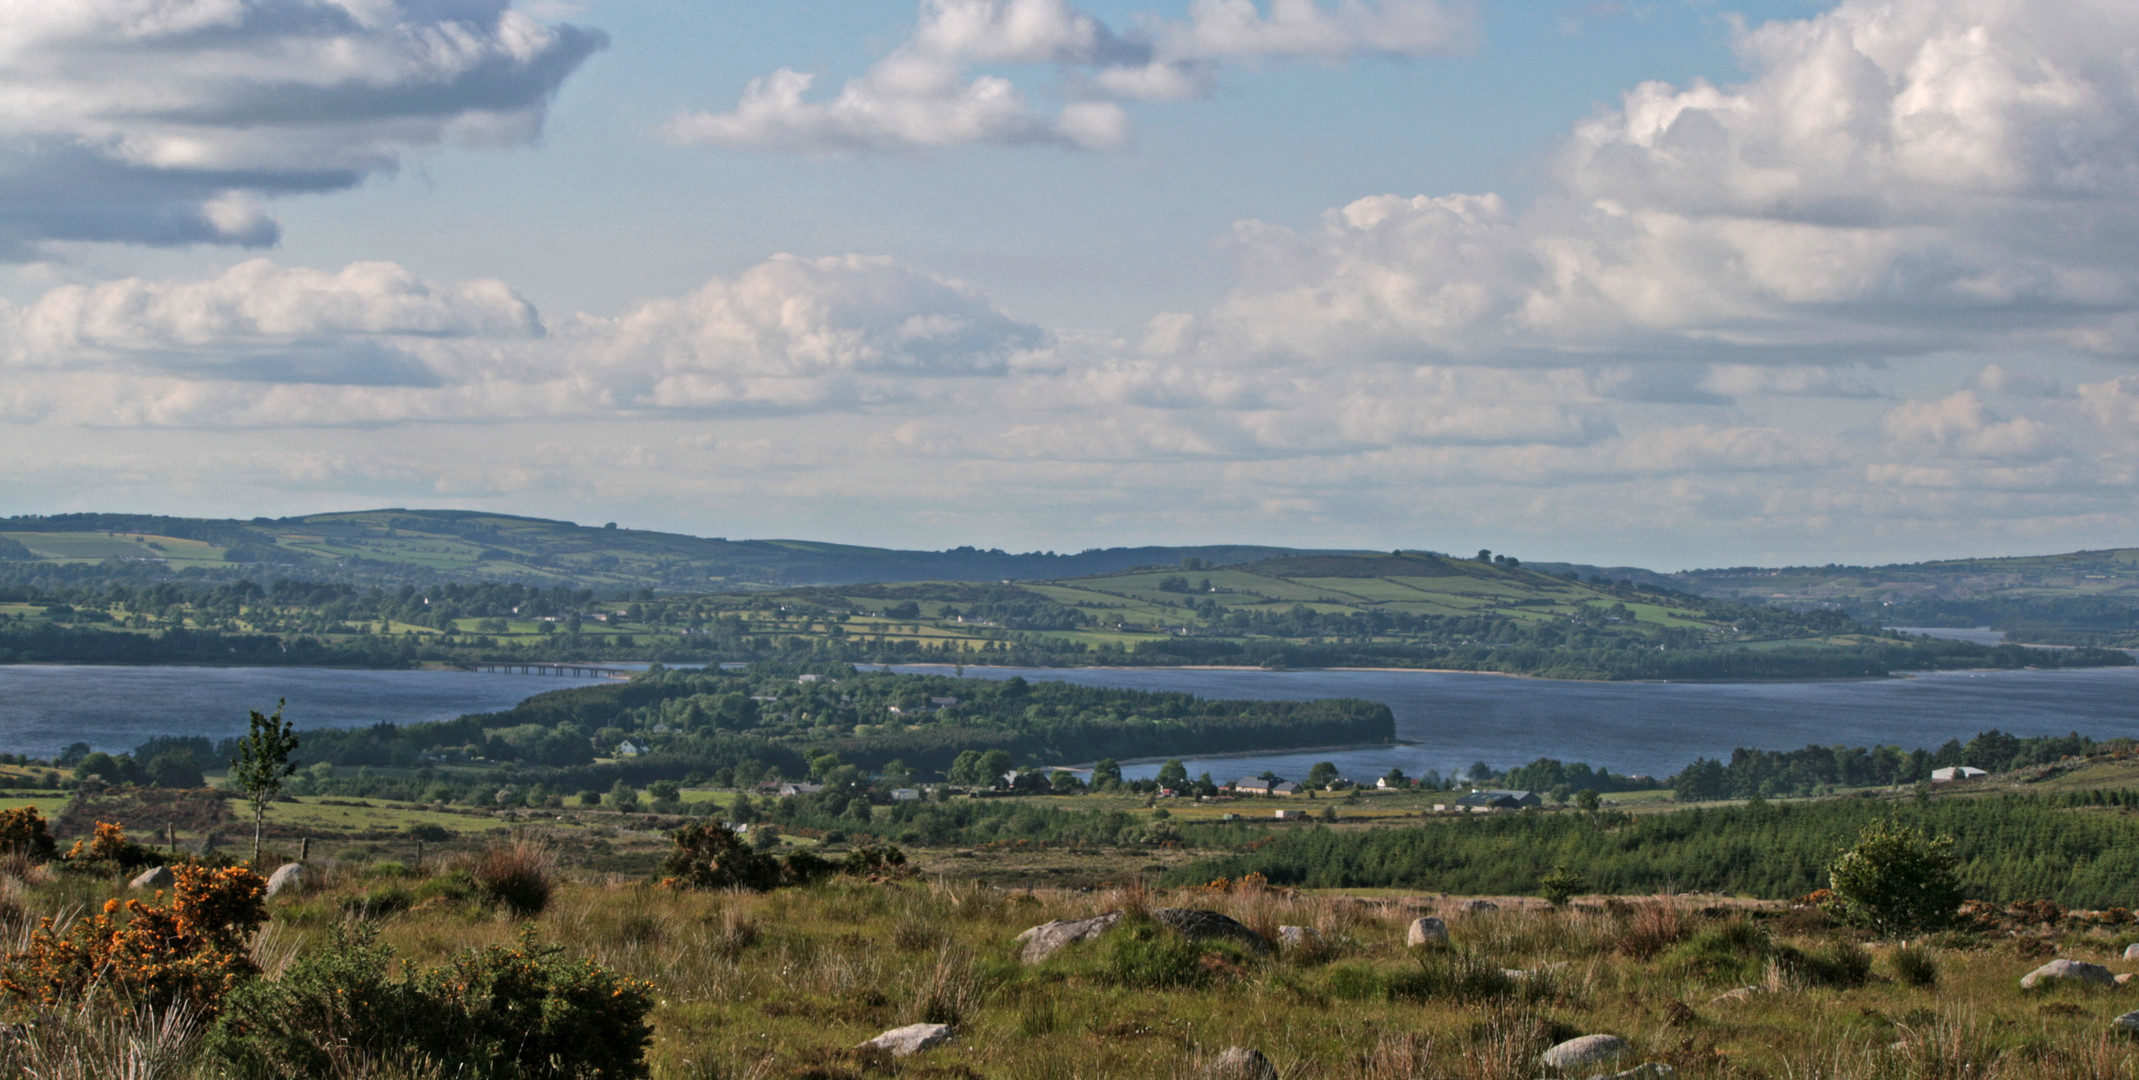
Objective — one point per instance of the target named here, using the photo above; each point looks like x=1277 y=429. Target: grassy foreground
x=785 y=984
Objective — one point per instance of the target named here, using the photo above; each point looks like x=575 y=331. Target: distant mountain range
x=2077 y=598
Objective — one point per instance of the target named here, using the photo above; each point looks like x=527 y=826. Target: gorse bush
x=709 y=855
x=106 y=851
x=191 y=948
x=23 y=832
x=523 y=1012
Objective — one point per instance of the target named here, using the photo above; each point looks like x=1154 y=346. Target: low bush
x=709 y=855
x=1734 y=950
x=23 y=832
x=520 y=1012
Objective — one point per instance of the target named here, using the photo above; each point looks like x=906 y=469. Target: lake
x=1452 y=719
x=1448 y=720
x=44 y=707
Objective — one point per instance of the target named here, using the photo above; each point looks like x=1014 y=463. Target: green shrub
x=1560 y=884
x=456 y=885
x=390 y=899
x=709 y=855
x=1896 y=880
x=523 y=1012
x=333 y=1012
x=1353 y=982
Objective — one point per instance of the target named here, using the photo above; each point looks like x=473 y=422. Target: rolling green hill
x=1413 y=610
x=2077 y=598
x=397 y=547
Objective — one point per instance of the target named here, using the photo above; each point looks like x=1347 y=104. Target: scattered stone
x=911 y=1039
x=157 y=878
x=2128 y=1022
x=1479 y=907
x=2068 y=971
x=1585 y=1050
x=2131 y=952
x=2124 y=978
x=1426 y=931
x=1240 y=1063
x=1295 y=937
x=1198 y=924
x=287 y=876
x=1046 y=939
x=1653 y=1070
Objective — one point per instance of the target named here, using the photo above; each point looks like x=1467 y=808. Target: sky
x=1674 y=284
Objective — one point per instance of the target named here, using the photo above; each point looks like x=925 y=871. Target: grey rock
x=1201 y=925
x=1294 y=937
x=2068 y=971
x=159 y=877
x=2128 y=1022
x=1240 y=1063
x=1583 y=1050
x=1426 y=930
x=2131 y=952
x=289 y=876
x=1479 y=907
x=1046 y=939
x=911 y=1039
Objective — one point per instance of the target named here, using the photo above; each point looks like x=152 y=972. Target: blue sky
x=1670 y=283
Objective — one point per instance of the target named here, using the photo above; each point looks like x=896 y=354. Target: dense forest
x=2081 y=850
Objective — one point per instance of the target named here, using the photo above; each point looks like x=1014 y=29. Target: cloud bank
x=1883 y=288
x=172 y=121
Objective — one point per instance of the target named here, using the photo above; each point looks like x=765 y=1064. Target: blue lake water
x=1453 y=719
x=45 y=707
x=1447 y=720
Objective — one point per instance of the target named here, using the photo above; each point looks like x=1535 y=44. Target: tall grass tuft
x=519 y=877
x=952 y=990
x=1914 y=965
x=93 y=1041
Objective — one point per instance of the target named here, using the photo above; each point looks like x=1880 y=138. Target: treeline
x=2058 y=620
x=1770 y=773
x=2010 y=848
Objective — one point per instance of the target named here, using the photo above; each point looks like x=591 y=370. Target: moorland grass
x=786 y=983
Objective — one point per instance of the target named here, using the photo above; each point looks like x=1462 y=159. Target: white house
x=1956 y=772
x=799 y=789
x=627 y=748
x=905 y=794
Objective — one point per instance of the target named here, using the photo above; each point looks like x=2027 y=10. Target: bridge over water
x=554 y=670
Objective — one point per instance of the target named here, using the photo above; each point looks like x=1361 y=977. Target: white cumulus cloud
x=1895 y=177
x=925 y=95
x=168 y=121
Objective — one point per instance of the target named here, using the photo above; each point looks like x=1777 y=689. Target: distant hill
x=2077 y=598
x=397 y=547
